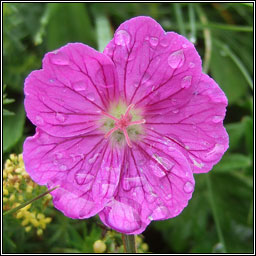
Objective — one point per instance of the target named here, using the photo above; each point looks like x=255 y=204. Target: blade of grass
x=207 y=39
x=179 y=18
x=28 y=202
x=215 y=212
x=227 y=27
x=192 y=22
x=103 y=30
x=237 y=61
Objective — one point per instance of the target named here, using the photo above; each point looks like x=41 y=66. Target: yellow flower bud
x=29 y=189
x=8 y=163
x=40 y=216
x=19 y=215
x=18 y=170
x=4 y=174
x=144 y=247
x=28 y=228
x=5 y=192
x=10 y=176
x=17 y=186
x=13 y=157
x=12 y=197
x=39 y=232
x=138 y=239
x=26 y=207
x=99 y=246
x=24 y=222
x=47 y=220
x=42 y=224
x=34 y=222
x=20 y=157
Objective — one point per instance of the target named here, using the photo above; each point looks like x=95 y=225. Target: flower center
x=123 y=123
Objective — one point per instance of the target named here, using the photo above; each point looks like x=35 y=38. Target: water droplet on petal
x=82 y=177
x=218 y=148
x=164 y=42
x=58 y=155
x=109 y=50
x=186 y=82
x=136 y=84
x=184 y=45
x=60 y=117
x=59 y=58
x=217 y=119
x=188 y=187
x=173 y=101
x=175 y=111
x=63 y=167
x=176 y=59
x=168 y=197
x=191 y=64
x=93 y=159
x=90 y=96
x=150 y=218
x=158 y=171
x=160 y=212
x=122 y=37
x=55 y=162
x=153 y=41
x=79 y=85
x=39 y=120
x=192 y=39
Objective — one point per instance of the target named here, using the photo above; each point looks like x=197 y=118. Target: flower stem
x=28 y=202
x=129 y=243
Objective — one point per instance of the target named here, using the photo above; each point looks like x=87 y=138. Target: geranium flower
x=122 y=132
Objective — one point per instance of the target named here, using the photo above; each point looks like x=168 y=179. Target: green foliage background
x=219 y=217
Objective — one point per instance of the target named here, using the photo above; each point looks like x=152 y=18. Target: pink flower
x=122 y=132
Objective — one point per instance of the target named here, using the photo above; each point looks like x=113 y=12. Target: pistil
x=122 y=123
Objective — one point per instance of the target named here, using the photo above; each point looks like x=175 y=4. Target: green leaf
x=69 y=22
x=7 y=101
x=232 y=162
x=227 y=75
x=7 y=112
x=235 y=132
x=248 y=122
x=13 y=127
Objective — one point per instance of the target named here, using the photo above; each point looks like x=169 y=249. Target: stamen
x=143 y=121
x=110 y=132
x=128 y=110
x=110 y=116
x=127 y=138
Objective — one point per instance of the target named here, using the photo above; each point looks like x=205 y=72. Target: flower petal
x=66 y=96
x=156 y=183
x=192 y=121
x=151 y=63
x=86 y=168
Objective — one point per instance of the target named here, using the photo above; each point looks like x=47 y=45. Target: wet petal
x=192 y=121
x=86 y=168
x=156 y=183
x=65 y=97
x=151 y=63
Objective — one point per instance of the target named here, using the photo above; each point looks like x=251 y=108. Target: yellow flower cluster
x=112 y=243
x=18 y=188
